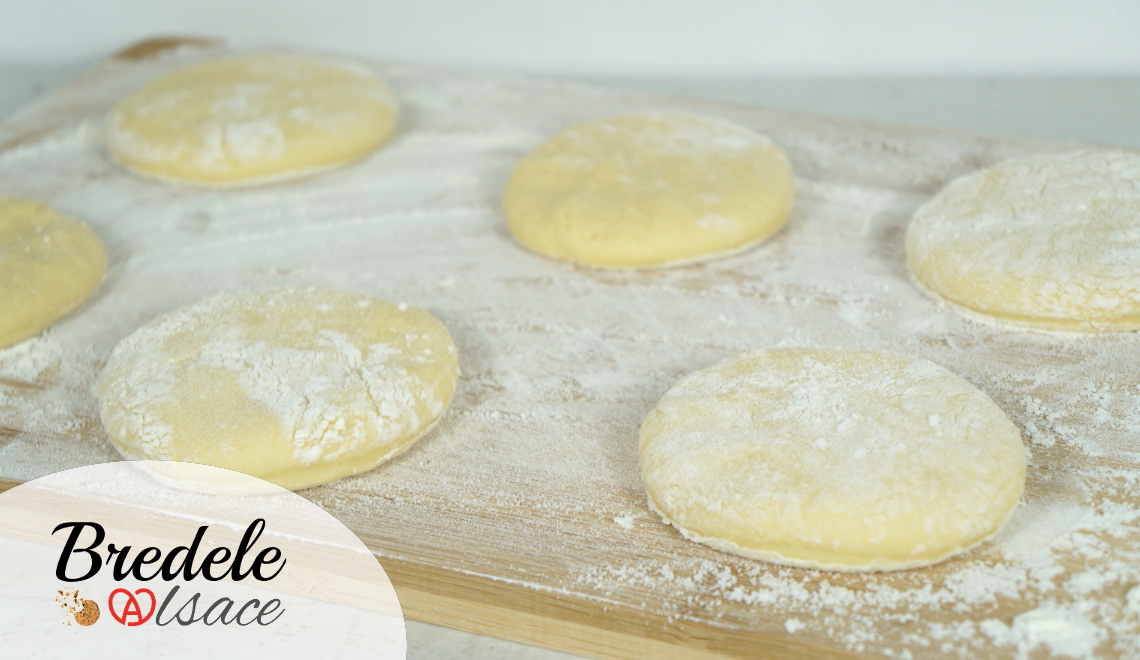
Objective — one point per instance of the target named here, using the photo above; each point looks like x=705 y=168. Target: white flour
x=1049 y=239
x=329 y=391
x=246 y=124
x=813 y=458
x=674 y=134
x=531 y=478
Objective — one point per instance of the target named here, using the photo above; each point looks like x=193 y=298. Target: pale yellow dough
x=296 y=386
x=1049 y=242
x=826 y=458
x=49 y=263
x=251 y=118
x=649 y=190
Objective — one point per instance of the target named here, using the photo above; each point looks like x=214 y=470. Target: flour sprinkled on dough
x=649 y=190
x=251 y=118
x=49 y=263
x=854 y=460
x=1049 y=242
x=300 y=386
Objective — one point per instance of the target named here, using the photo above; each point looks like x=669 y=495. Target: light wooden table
x=1089 y=110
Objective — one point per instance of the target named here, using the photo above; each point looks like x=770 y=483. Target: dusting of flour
x=300 y=354
x=530 y=479
x=1049 y=241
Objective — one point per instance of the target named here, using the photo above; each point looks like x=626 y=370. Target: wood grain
x=522 y=515
x=490 y=608
x=149 y=48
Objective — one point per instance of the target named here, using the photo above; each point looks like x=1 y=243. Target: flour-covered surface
x=832 y=458
x=531 y=478
x=1050 y=242
x=258 y=117
x=299 y=386
x=647 y=190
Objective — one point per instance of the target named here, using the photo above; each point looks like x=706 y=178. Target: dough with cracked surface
x=251 y=118
x=648 y=190
x=49 y=264
x=828 y=458
x=1049 y=242
x=299 y=387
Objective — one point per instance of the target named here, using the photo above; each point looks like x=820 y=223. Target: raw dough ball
x=49 y=263
x=649 y=190
x=296 y=386
x=251 y=118
x=1050 y=242
x=825 y=458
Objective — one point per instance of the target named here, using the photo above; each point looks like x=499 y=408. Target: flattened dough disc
x=49 y=263
x=296 y=386
x=826 y=458
x=251 y=118
x=649 y=190
x=1049 y=242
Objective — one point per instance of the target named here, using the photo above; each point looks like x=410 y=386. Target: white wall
x=599 y=37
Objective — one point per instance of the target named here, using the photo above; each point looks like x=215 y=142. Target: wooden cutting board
x=522 y=515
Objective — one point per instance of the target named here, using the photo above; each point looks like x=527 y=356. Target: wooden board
x=522 y=515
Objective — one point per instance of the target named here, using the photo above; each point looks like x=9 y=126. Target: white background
x=622 y=37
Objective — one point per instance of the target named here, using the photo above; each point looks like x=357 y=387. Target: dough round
x=296 y=386
x=649 y=190
x=251 y=118
x=49 y=263
x=1049 y=242
x=826 y=458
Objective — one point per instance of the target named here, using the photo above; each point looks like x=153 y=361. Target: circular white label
x=151 y=559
